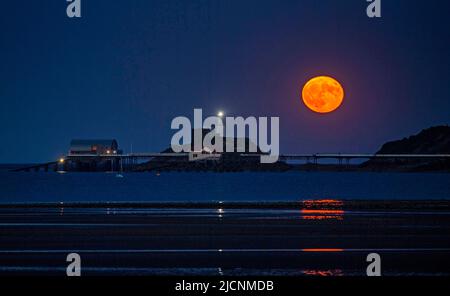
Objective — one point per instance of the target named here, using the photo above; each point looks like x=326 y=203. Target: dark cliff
x=434 y=140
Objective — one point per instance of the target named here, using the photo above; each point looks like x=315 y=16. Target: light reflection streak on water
x=324 y=209
x=311 y=272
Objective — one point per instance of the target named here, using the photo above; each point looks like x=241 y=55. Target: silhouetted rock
x=228 y=161
x=434 y=140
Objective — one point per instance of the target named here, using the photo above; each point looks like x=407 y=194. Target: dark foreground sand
x=300 y=238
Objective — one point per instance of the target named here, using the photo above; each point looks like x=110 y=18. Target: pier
x=127 y=162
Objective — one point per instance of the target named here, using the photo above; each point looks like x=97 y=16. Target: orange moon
x=323 y=94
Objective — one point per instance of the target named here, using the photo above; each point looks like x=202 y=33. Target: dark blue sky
x=127 y=68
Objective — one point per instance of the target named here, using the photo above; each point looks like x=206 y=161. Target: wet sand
x=326 y=237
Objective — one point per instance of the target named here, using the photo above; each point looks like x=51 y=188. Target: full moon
x=323 y=94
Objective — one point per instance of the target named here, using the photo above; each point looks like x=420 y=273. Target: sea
x=206 y=187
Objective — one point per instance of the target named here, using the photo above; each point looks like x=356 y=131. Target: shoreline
x=11 y=168
x=437 y=205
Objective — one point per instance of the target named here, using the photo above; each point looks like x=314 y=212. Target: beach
x=321 y=237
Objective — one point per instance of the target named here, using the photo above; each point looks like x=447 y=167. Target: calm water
x=292 y=186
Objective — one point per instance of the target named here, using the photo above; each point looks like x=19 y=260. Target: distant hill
x=434 y=140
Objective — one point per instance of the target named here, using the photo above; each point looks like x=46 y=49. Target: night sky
x=127 y=68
